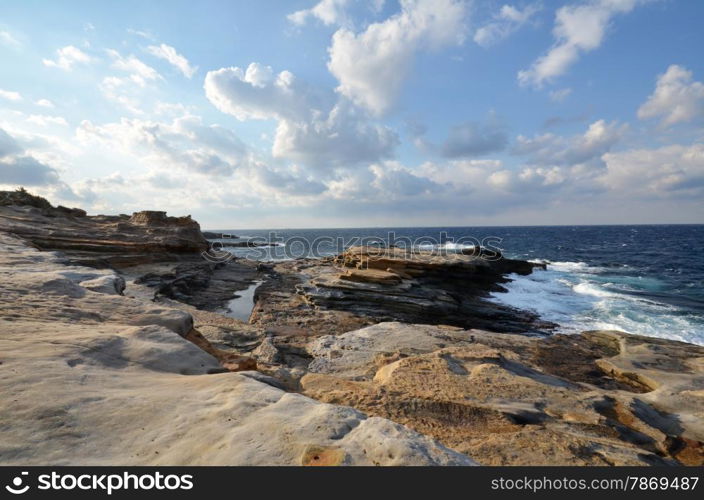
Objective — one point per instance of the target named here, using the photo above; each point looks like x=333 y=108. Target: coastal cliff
x=146 y=236
x=374 y=357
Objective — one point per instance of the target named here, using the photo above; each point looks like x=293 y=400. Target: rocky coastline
x=373 y=357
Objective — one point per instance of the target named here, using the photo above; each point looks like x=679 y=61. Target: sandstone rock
x=83 y=384
x=99 y=240
x=267 y=352
x=372 y=276
x=509 y=399
x=374 y=285
x=113 y=284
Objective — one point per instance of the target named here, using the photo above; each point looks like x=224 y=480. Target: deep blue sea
x=645 y=279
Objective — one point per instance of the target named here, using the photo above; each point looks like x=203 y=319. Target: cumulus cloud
x=327 y=11
x=27 y=171
x=67 y=58
x=675 y=170
x=312 y=128
x=288 y=181
x=372 y=65
x=256 y=93
x=18 y=168
x=169 y=54
x=339 y=138
x=579 y=28
x=507 y=21
x=550 y=149
x=186 y=143
x=10 y=95
x=394 y=180
x=677 y=98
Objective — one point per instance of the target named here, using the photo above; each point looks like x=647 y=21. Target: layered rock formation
x=399 y=339
x=92 y=377
x=599 y=398
x=367 y=285
x=99 y=240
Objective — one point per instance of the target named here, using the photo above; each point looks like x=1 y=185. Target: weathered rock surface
x=92 y=377
x=368 y=285
x=109 y=348
x=198 y=282
x=100 y=240
x=593 y=399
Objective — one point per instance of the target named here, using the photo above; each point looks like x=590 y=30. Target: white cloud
x=47 y=120
x=327 y=11
x=140 y=73
x=287 y=181
x=169 y=53
x=579 y=28
x=677 y=98
x=311 y=128
x=68 y=57
x=185 y=142
x=371 y=66
x=121 y=91
x=507 y=21
x=339 y=138
x=7 y=39
x=126 y=90
x=10 y=95
x=140 y=33
x=256 y=93
x=44 y=103
x=674 y=171
x=394 y=180
x=550 y=149
x=560 y=95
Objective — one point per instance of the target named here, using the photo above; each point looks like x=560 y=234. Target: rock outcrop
x=592 y=399
x=92 y=377
x=375 y=357
x=99 y=240
x=367 y=285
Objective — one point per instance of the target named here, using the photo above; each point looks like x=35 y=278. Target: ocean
x=644 y=279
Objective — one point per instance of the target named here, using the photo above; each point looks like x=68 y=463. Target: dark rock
x=211 y=235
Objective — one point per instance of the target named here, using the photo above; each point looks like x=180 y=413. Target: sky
x=354 y=113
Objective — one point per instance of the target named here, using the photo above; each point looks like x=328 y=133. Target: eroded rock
x=100 y=240
x=92 y=378
x=501 y=399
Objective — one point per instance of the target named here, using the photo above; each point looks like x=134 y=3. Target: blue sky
x=343 y=113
